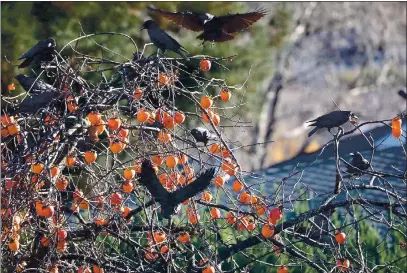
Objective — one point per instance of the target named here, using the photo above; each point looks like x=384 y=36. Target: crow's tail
x=184 y=50
x=313 y=131
x=182 y=54
x=167 y=211
x=26 y=63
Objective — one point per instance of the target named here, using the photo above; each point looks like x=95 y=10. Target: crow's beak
x=142 y=27
x=353 y=119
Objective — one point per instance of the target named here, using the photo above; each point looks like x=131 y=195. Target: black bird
x=139 y=57
x=162 y=40
x=359 y=164
x=202 y=135
x=42 y=94
x=33 y=85
x=331 y=120
x=43 y=51
x=402 y=93
x=126 y=73
x=32 y=104
x=214 y=28
x=170 y=200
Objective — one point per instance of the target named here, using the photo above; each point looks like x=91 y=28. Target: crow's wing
x=335 y=118
x=186 y=20
x=162 y=40
x=149 y=179
x=32 y=51
x=25 y=82
x=351 y=168
x=36 y=102
x=325 y=120
x=192 y=189
x=26 y=62
x=238 y=22
x=34 y=85
x=42 y=47
x=171 y=43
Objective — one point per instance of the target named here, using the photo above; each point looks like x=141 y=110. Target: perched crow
x=33 y=85
x=139 y=57
x=125 y=74
x=35 y=102
x=331 y=120
x=214 y=28
x=202 y=135
x=41 y=94
x=359 y=164
x=43 y=51
x=170 y=200
x=162 y=40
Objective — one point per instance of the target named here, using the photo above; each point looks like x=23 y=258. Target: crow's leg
x=162 y=54
x=329 y=130
x=340 y=130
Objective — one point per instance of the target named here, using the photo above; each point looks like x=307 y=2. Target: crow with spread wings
x=213 y=28
x=170 y=200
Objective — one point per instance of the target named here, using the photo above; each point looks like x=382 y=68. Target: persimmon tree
x=72 y=199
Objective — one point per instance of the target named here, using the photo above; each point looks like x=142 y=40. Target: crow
x=402 y=93
x=359 y=164
x=41 y=52
x=331 y=120
x=33 y=85
x=125 y=74
x=170 y=200
x=162 y=40
x=213 y=28
x=139 y=57
x=202 y=135
x=41 y=94
x=32 y=104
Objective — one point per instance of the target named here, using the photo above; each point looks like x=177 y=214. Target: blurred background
x=298 y=61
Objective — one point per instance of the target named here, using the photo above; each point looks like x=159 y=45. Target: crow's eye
x=50 y=44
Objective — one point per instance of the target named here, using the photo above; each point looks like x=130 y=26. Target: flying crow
x=331 y=120
x=202 y=135
x=43 y=51
x=162 y=40
x=170 y=200
x=213 y=28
